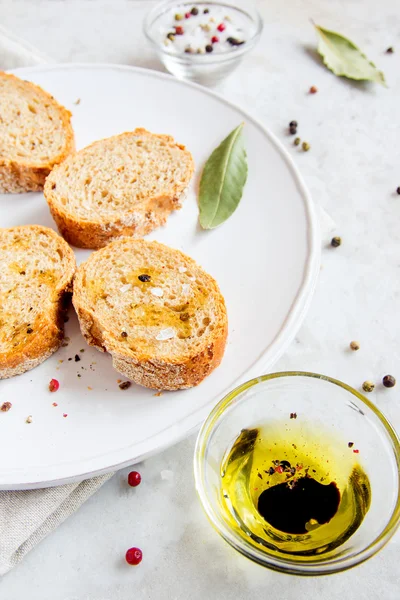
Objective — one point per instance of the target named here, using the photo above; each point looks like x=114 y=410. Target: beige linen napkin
x=27 y=517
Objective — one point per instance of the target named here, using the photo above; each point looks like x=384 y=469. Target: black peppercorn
x=206 y=11
x=194 y=11
x=350 y=444
x=390 y=50
x=398 y=190
x=336 y=241
x=389 y=381
x=144 y=278
x=209 y=48
x=77 y=358
x=29 y=330
x=124 y=334
x=293 y=130
x=125 y=385
x=293 y=124
x=234 y=41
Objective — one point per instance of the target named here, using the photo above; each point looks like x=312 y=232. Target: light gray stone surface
x=352 y=171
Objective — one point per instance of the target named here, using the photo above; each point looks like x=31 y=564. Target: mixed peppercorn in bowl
x=203 y=42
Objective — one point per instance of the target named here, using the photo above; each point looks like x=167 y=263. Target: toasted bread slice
x=124 y=185
x=35 y=135
x=36 y=271
x=160 y=316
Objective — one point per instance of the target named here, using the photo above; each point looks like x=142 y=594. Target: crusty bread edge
x=50 y=336
x=98 y=233
x=22 y=176
x=152 y=373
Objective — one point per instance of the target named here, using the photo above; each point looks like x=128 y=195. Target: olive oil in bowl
x=294 y=490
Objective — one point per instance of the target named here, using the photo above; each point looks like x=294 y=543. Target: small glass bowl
x=320 y=402
x=207 y=69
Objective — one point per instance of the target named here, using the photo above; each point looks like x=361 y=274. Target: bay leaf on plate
x=223 y=180
x=343 y=57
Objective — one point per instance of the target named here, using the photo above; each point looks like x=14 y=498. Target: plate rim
x=295 y=317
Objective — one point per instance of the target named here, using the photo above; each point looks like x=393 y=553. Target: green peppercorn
x=368 y=386
x=178 y=17
x=209 y=48
x=297 y=141
x=171 y=36
x=389 y=381
x=354 y=346
x=305 y=146
x=206 y=11
x=336 y=241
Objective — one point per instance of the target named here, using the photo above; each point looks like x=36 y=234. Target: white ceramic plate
x=265 y=258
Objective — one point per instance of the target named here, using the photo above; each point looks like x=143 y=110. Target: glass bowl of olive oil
x=300 y=473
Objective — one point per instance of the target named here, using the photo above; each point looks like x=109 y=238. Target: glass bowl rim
x=263 y=557
x=205 y=59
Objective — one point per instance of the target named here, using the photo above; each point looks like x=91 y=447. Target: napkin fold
x=27 y=517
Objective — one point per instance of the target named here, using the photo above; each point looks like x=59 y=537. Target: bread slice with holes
x=35 y=135
x=160 y=316
x=36 y=271
x=123 y=185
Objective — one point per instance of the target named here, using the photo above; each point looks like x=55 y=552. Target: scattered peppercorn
x=390 y=50
x=221 y=27
x=368 y=386
x=336 y=241
x=53 y=385
x=297 y=141
x=134 y=478
x=65 y=415
x=389 y=381
x=234 y=41
x=187 y=15
x=306 y=146
x=28 y=419
x=293 y=415
x=354 y=345
x=209 y=48
x=293 y=130
x=178 y=17
x=356 y=451
x=313 y=89
x=195 y=11
x=214 y=39
x=124 y=334
x=398 y=190
x=22 y=272
x=77 y=358
x=133 y=556
x=125 y=385
x=188 y=50
x=171 y=36
x=144 y=278
x=5 y=407
x=350 y=444
x=29 y=330
x=206 y=11
x=179 y=30
x=293 y=124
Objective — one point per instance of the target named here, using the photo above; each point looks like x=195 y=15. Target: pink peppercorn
x=221 y=27
x=133 y=556
x=214 y=39
x=54 y=385
x=134 y=478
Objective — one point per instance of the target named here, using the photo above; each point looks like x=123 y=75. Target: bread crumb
x=182 y=269
x=119 y=380
x=60 y=361
x=77 y=101
x=89 y=388
x=65 y=415
x=54 y=404
x=158 y=394
x=125 y=288
x=5 y=407
x=29 y=419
